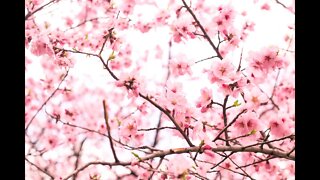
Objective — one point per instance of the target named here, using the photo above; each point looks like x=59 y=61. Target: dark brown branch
x=40 y=169
x=284 y=6
x=78 y=155
x=225 y=120
x=109 y=130
x=197 y=175
x=105 y=135
x=170 y=117
x=97 y=163
x=105 y=40
x=47 y=100
x=141 y=95
x=236 y=172
x=265 y=138
x=219 y=43
x=226 y=127
x=246 y=174
x=202 y=29
x=206 y=59
x=225 y=158
x=265 y=111
x=75 y=126
x=242 y=136
x=157 y=128
x=267 y=142
x=85 y=21
x=212 y=102
x=232 y=149
x=293 y=149
x=76 y=51
x=257 y=162
x=239 y=67
x=32 y=13
x=161 y=159
x=155 y=139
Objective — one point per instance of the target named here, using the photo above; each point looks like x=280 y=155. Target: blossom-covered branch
x=163 y=153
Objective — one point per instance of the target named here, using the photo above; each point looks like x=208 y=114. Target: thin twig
x=109 y=130
x=225 y=158
x=202 y=29
x=155 y=139
x=156 y=128
x=47 y=100
x=239 y=67
x=78 y=155
x=32 y=13
x=257 y=162
x=40 y=169
x=291 y=151
x=206 y=59
x=246 y=174
x=161 y=159
x=232 y=149
x=225 y=128
x=170 y=117
x=225 y=120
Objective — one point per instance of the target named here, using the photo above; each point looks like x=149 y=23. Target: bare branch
x=75 y=51
x=109 y=130
x=225 y=158
x=141 y=95
x=226 y=127
x=225 y=120
x=206 y=59
x=239 y=67
x=32 y=13
x=78 y=155
x=46 y=101
x=170 y=117
x=161 y=159
x=257 y=162
x=155 y=140
x=156 y=128
x=202 y=29
x=232 y=149
x=40 y=169
x=246 y=174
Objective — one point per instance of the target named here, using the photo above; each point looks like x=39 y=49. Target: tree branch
x=233 y=149
x=202 y=29
x=170 y=117
x=225 y=120
x=157 y=128
x=32 y=13
x=53 y=93
x=109 y=130
x=78 y=154
x=226 y=127
x=40 y=169
x=206 y=59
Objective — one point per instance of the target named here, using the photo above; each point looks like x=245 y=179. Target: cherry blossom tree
x=172 y=89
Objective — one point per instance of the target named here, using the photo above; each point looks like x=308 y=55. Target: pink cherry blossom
x=180 y=67
x=143 y=89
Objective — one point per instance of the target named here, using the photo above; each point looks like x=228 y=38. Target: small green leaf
x=119 y=122
x=236 y=103
x=201 y=143
x=253 y=132
x=136 y=155
x=112 y=56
